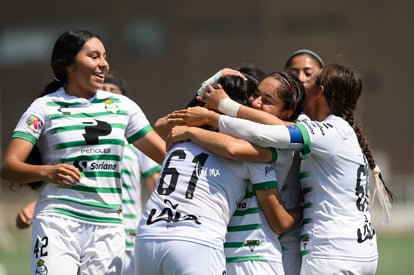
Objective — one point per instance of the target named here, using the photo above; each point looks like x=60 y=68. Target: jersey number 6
x=199 y=162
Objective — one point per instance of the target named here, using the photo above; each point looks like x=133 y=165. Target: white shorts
x=65 y=246
x=312 y=265
x=292 y=261
x=128 y=266
x=291 y=255
x=254 y=267
x=172 y=257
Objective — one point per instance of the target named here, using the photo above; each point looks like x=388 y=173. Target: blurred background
x=165 y=49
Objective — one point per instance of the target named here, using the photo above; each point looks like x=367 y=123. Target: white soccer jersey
x=290 y=240
x=337 y=219
x=276 y=136
x=89 y=134
x=334 y=178
x=249 y=237
x=196 y=194
x=135 y=166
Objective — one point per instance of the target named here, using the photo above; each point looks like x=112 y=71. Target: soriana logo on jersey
x=34 y=124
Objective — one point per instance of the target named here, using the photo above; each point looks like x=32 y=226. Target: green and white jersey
x=334 y=180
x=89 y=134
x=335 y=183
x=249 y=236
x=196 y=194
x=135 y=167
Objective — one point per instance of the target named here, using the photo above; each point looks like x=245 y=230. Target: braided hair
x=342 y=89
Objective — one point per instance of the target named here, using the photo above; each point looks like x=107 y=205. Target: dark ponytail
x=342 y=88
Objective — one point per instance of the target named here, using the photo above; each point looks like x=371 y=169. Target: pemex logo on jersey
x=34 y=124
x=110 y=106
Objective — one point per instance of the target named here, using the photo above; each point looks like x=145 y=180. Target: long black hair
x=66 y=47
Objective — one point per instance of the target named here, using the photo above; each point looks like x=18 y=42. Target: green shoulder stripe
x=25 y=136
x=152 y=171
x=306 y=138
x=140 y=134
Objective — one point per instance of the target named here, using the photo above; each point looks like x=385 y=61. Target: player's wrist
x=228 y=107
x=211 y=81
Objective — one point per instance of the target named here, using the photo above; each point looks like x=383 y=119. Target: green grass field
x=395 y=254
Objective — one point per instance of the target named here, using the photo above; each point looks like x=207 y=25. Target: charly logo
x=269 y=169
x=41 y=268
x=110 y=106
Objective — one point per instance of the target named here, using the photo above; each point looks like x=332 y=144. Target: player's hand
x=213 y=96
x=25 y=216
x=177 y=134
x=229 y=71
x=193 y=116
x=63 y=174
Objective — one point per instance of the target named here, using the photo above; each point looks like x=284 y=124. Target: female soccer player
x=80 y=131
x=337 y=234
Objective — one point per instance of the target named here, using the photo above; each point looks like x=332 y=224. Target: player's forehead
x=269 y=85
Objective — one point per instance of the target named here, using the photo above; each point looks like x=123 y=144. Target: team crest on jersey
x=41 y=268
x=110 y=106
x=304 y=244
x=34 y=124
x=252 y=244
